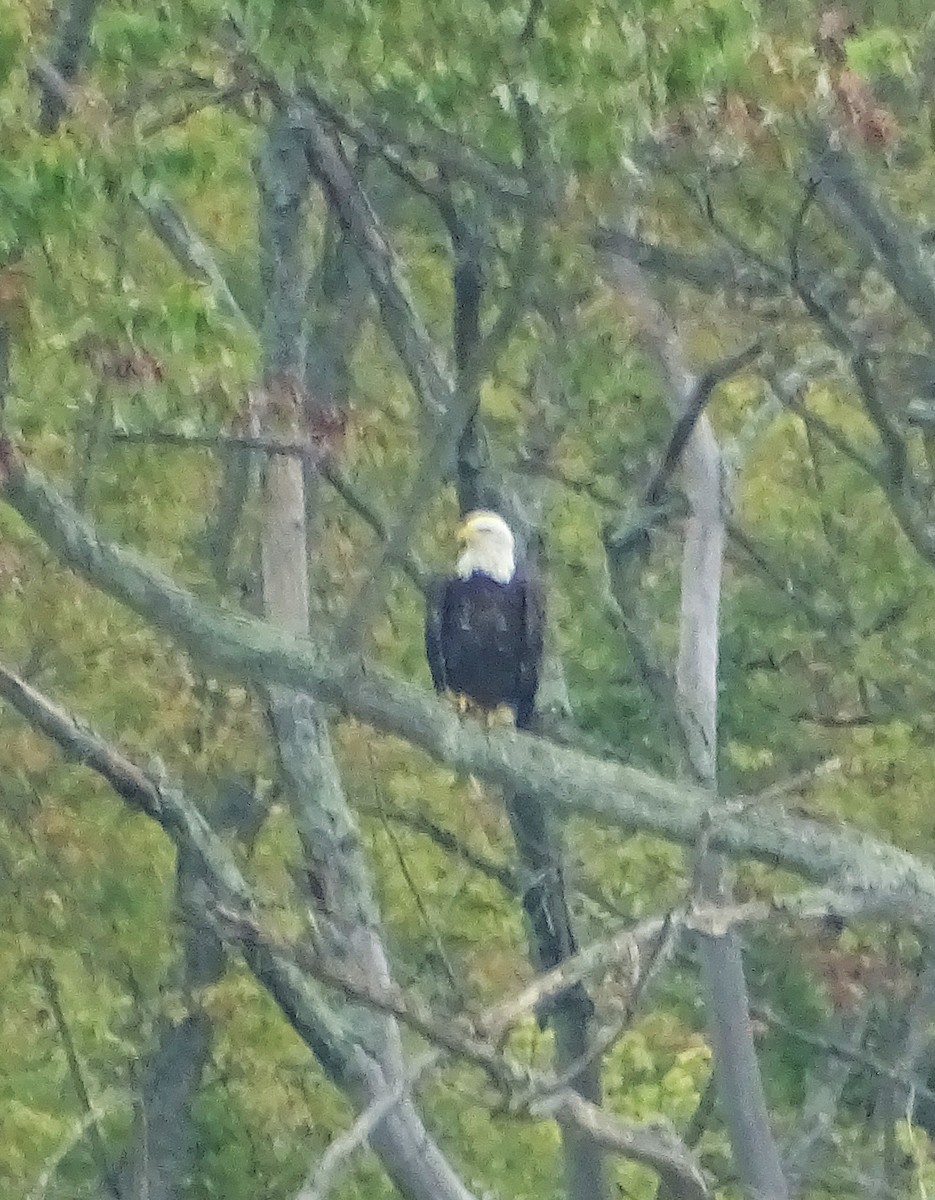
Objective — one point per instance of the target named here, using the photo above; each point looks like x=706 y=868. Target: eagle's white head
x=489 y=546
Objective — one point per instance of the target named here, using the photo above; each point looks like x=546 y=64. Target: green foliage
x=826 y=635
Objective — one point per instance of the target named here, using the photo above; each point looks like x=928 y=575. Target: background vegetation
x=764 y=170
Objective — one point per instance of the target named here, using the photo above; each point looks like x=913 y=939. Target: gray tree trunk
x=739 y=1082
x=346 y=912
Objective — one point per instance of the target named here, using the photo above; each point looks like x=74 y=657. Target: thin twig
x=325 y=1175
x=446 y=840
x=167 y=221
x=336 y=476
x=98 y=1149
x=424 y=913
x=90 y=1120
x=861 y=1058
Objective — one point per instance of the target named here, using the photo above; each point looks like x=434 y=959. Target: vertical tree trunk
x=347 y=916
x=536 y=833
x=739 y=1082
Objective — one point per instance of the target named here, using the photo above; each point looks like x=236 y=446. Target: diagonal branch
x=852 y=203
x=68 y=51
x=281 y=966
x=327 y=1171
x=656 y=1146
x=695 y=404
x=98 y=1149
x=431 y=383
x=704 y=273
x=168 y=223
x=306 y=450
x=890 y=880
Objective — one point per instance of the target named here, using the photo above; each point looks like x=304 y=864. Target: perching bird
x=483 y=638
x=483 y=625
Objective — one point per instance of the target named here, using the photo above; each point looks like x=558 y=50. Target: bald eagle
x=483 y=627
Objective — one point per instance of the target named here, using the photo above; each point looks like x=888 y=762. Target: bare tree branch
x=91 y=1119
x=656 y=1146
x=190 y=251
x=326 y=1173
x=891 y=880
x=347 y=918
x=838 y=1049
x=706 y=274
x=279 y=966
x=98 y=1149
x=695 y=403
x=852 y=203
x=826 y=1086
x=333 y=472
x=430 y=380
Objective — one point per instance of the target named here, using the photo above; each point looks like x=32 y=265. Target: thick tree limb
x=656 y=1146
x=892 y=881
x=168 y=807
x=280 y=966
x=328 y=1035
x=347 y=917
x=431 y=383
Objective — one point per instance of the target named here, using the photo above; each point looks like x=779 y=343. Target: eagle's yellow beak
x=465 y=530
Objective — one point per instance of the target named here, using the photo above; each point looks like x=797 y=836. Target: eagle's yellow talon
x=459 y=701
x=500 y=717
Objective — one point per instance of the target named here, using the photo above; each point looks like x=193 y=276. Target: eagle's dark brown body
x=483 y=640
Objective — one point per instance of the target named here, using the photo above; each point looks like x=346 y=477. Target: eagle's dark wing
x=530 y=649
x=436 y=596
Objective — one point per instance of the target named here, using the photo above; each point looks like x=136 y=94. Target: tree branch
x=890 y=880
x=656 y=1146
x=326 y=1172
x=280 y=966
x=73 y=35
x=347 y=917
x=98 y=1149
x=168 y=223
x=429 y=379
x=896 y=249
x=705 y=274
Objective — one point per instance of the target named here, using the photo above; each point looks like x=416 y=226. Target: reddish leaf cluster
x=121 y=362
x=849 y=975
x=857 y=107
